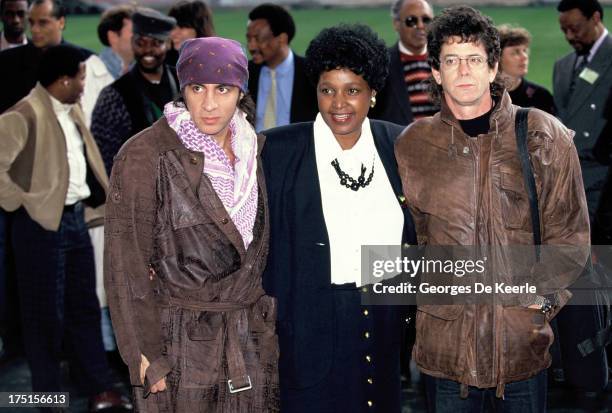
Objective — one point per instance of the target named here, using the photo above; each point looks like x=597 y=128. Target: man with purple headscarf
x=187 y=240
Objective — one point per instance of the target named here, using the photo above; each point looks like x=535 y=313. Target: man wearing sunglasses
x=404 y=97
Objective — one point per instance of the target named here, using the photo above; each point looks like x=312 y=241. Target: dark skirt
x=365 y=368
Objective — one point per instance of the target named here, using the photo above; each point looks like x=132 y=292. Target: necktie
x=270 y=111
x=582 y=63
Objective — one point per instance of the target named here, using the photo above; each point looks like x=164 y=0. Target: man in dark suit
x=277 y=81
x=404 y=97
x=581 y=83
x=19 y=66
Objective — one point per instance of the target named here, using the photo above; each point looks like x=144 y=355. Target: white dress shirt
x=369 y=216
x=77 y=165
x=4 y=44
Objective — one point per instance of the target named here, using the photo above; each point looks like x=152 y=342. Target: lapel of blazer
x=308 y=197
x=601 y=63
x=298 y=87
x=254 y=71
x=92 y=152
x=50 y=128
x=384 y=147
x=397 y=82
x=562 y=77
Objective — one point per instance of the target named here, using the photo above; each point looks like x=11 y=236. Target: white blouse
x=369 y=216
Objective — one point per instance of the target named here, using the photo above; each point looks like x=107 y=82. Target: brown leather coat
x=470 y=191
x=181 y=287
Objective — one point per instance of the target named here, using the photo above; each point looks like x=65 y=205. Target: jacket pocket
x=527 y=336
x=437 y=347
x=513 y=199
x=201 y=350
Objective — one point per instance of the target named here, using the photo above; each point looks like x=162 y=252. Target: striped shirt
x=416 y=74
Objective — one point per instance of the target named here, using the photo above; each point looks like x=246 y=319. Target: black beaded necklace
x=349 y=182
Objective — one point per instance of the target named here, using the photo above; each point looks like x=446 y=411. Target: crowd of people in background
x=240 y=292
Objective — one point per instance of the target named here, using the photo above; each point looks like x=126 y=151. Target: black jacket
x=393 y=102
x=19 y=72
x=298 y=271
x=304 y=97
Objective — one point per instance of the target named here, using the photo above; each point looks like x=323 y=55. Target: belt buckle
x=233 y=389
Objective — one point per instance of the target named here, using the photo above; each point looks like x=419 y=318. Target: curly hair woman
x=333 y=187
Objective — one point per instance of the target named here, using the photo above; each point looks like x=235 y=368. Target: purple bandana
x=212 y=60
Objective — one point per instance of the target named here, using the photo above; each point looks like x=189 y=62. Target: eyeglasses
x=474 y=61
x=413 y=21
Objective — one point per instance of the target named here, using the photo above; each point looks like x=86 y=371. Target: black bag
x=583 y=331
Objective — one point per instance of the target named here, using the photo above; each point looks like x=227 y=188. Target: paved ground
x=15 y=376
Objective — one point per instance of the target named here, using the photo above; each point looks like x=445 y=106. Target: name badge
x=589 y=75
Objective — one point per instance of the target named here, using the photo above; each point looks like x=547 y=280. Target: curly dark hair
x=349 y=46
x=468 y=24
x=471 y=26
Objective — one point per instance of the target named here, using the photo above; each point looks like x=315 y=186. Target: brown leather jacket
x=181 y=287
x=470 y=191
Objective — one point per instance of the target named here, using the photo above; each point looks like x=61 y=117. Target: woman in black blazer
x=333 y=186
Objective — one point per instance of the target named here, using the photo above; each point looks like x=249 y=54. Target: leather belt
x=238 y=379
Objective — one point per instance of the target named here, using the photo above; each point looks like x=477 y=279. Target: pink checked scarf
x=237 y=186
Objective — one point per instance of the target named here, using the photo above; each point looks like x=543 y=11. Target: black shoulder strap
x=521 y=143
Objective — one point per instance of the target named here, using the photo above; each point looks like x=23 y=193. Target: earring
x=373 y=101
x=65 y=83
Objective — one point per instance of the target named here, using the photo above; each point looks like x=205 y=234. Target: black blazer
x=298 y=269
x=304 y=105
x=392 y=102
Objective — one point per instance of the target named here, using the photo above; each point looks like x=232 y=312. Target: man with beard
x=13 y=13
x=19 y=65
x=136 y=100
x=277 y=79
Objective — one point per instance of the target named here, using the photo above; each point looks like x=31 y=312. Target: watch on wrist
x=544 y=303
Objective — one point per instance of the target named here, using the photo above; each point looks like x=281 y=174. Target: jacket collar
x=501 y=116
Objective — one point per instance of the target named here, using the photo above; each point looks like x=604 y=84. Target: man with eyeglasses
x=463 y=181
x=136 y=100
x=404 y=97
x=277 y=79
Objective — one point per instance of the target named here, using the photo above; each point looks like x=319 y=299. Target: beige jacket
x=33 y=162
